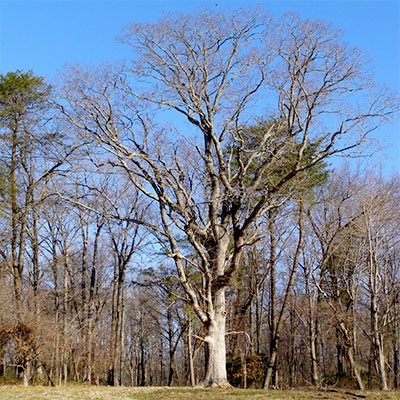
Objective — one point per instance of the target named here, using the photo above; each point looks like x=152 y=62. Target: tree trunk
x=379 y=358
x=350 y=354
x=115 y=325
x=271 y=368
x=142 y=365
x=35 y=260
x=377 y=339
x=396 y=349
x=216 y=375
x=64 y=321
x=26 y=373
x=91 y=305
x=313 y=332
x=170 y=348
x=16 y=266
x=272 y=302
x=355 y=369
x=313 y=352
x=339 y=356
x=190 y=354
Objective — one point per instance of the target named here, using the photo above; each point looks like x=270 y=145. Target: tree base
x=214 y=385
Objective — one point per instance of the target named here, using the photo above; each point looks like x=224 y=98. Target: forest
x=194 y=216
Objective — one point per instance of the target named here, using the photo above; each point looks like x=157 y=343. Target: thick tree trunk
x=216 y=375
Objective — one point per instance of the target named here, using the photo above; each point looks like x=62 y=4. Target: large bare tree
x=173 y=120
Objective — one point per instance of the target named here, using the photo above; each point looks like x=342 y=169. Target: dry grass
x=157 y=393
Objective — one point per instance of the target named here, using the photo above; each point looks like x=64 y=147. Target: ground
x=157 y=393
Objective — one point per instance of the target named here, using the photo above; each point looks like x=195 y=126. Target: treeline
x=140 y=251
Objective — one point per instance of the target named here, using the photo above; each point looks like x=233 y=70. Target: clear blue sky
x=45 y=35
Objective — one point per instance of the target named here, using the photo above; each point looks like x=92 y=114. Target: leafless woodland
x=182 y=219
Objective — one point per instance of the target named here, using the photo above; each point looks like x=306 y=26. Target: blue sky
x=45 y=35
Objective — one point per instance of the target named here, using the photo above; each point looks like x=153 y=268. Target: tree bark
x=350 y=354
x=376 y=334
x=396 y=343
x=216 y=375
x=190 y=354
x=271 y=367
x=272 y=302
x=355 y=369
x=313 y=350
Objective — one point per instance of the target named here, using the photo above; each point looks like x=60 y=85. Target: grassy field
x=154 y=393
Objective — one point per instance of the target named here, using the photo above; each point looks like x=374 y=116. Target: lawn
x=157 y=393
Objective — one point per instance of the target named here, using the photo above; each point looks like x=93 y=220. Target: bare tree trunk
x=84 y=303
x=26 y=372
x=190 y=354
x=380 y=360
x=16 y=266
x=90 y=316
x=377 y=338
x=354 y=367
x=170 y=348
x=55 y=359
x=215 y=341
x=396 y=342
x=63 y=371
x=142 y=373
x=121 y=341
x=396 y=361
x=271 y=366
x=114 y=328
x=243 y=363
x=313 y=330
x=35 y=260
x=272 y=302
x=89 y=350
x=377 y=346
x=258 y=317
x=339 y=355
x=350 y=354
x=313 y=350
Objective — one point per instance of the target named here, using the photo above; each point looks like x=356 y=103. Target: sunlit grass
x=157 y=393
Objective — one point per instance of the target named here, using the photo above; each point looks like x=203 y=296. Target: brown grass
x=158 y=393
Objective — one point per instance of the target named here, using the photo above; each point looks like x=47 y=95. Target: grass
x=162 y=393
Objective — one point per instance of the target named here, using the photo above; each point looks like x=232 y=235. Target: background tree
x=339 y=264
x=31 y=152
x=23 y=97
x=376 y=229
